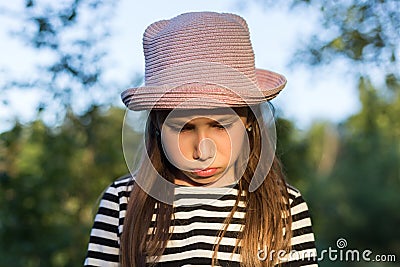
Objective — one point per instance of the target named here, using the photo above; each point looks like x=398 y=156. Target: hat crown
x=197 y=36
x=201 y=60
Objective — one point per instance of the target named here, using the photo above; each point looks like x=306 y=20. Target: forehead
x=214 y=114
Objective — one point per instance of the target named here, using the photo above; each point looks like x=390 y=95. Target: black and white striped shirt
x=199 y=214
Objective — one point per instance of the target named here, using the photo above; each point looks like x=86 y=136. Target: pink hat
x=201 y=60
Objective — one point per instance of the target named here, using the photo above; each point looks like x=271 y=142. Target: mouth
x=205 y=172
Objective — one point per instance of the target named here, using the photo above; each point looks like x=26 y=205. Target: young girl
x=209 y=190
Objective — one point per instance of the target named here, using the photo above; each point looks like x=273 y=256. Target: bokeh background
x=64 y=63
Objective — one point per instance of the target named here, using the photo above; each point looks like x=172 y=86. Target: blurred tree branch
x=72 y=35
x=356 y=191
x=367 y=33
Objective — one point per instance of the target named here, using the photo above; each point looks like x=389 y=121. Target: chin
x=189 y=179
x=202 y=181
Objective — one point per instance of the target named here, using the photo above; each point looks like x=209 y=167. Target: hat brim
x=205 y=94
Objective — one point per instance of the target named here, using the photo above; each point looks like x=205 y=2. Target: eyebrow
x=222 y=120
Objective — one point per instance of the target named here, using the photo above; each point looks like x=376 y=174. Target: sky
x=321 y=93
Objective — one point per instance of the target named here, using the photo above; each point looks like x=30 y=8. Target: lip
x=205 y=172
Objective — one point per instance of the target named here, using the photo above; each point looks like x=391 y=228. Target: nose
x=204 y=149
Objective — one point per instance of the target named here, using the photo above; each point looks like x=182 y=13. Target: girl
x=209 y=190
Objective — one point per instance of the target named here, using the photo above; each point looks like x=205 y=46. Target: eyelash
x=185 y=128
x=224 y=127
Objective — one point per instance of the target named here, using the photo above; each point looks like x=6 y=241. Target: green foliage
x=365 y=31
x=71 y=35
x=350 y=175
x=50 y=180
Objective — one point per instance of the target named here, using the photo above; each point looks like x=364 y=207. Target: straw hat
x=201 y=60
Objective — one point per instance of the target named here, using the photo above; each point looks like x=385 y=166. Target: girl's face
x=204 y=144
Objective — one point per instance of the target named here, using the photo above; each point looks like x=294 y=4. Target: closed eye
x=189 y=127
x=179 y=129
x=222 y=126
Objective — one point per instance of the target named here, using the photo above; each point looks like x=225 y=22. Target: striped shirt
x=199 y=215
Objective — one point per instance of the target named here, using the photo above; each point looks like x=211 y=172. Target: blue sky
x=322 y=93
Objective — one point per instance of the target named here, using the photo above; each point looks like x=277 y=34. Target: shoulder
x=103 y=248
x=295 y=197
x=302 y=241
x=117 y=193
x=298 y=207
x=293 y=191
x=126 y=180
x=121 y=185
x=113 y=201
x=301 y=219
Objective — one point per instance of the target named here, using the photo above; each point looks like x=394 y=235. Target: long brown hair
x=267 y=224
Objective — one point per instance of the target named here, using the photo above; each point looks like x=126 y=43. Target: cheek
x=238 y=144
x=170 y=145
x=233 y=144
x=239 y=139
x=174 y=148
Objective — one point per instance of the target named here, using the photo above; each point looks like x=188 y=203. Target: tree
x=70 y=36
x=50 y=179
x=367 y=33
x=350 y=173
